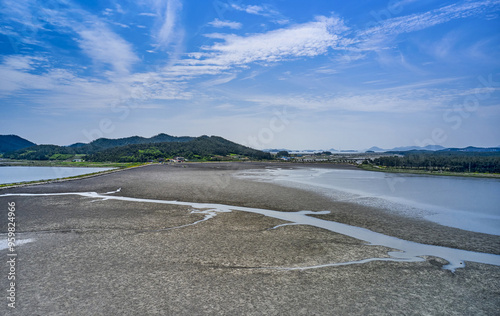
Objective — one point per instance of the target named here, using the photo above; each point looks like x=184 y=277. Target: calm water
x=21 y=174
x=467 y=203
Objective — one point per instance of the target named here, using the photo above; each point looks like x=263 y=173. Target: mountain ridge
x=106 y=143
x=139 y=149
x=12 y=142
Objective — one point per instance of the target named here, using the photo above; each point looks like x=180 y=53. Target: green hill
x=13 y=142
x=42 y=152
x=106 y=143
x=203 y=147
x=140 y=149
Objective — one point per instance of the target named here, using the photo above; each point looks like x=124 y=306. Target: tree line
x=200 y=148
x=203 y=147
x=442 y=161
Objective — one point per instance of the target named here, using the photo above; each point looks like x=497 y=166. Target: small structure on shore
x=178 y=159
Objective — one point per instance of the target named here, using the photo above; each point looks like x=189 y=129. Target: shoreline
x=83 y=176
x=431 y=173
x=406 y=251
x=43 y=181
x=89 y=253
x=214 y=183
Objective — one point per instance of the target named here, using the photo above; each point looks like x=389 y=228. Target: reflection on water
x=466 y=203
x=26 y=174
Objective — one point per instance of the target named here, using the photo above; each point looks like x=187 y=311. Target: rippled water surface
x=467 y=203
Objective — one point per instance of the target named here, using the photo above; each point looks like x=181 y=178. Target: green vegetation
x=10 y=143
x=370 y=167
x=42 y=152
x=138 y=149
x=203 y=148
x=441 y=163
x=106 y=143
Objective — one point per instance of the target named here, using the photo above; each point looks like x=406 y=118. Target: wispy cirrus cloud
x=382 y=37
x=325 y=34
x=225 y=57
x=374 y=101
x=301 y=40
x=93 y=35
x=253 y=9
x=148 y=14
x=62 y=89
x=169 y=31
x=104 y=46
x=419 y=21
x=261 y=10
x=220 y=24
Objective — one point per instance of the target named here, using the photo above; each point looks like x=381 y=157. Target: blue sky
x=268 y=74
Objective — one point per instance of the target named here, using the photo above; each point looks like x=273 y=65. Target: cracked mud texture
x=98 y=257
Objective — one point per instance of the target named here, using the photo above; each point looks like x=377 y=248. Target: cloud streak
x=104 y=46
x=420 y=21
x=169 y=32
x=225 y=56
x=302 y=40
x=220 y=24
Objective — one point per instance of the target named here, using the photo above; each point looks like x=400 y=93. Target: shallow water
x=407 y=251
x=13 y=174
x=467 y=203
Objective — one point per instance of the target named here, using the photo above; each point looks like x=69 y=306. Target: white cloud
x=219 y=24
x=262 y=10
x=125 y=26
x=419 y=21
x=119 y=9
x=148 y=14
x=382 y=38
x=18 y=62
x=169 y=32
x=420 y=97
x=92 y=34
x=251 y=9
x=53 y=89
x=256 y=9
x=104 y=46
x=302 y=40
x=218 y=81
x=107 y=12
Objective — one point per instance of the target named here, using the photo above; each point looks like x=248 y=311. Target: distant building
x=77 y=160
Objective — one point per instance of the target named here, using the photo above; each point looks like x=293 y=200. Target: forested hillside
x=203 y=147
x=106 y=143
x=13 y=142
x=454 y=161
x=42 y=152
x=139 y=149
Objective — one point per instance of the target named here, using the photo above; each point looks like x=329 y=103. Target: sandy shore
x=107 y=257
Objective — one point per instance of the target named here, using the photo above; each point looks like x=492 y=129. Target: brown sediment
x=110 y=261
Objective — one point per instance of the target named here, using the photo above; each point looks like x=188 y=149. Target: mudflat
x=91 y=256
